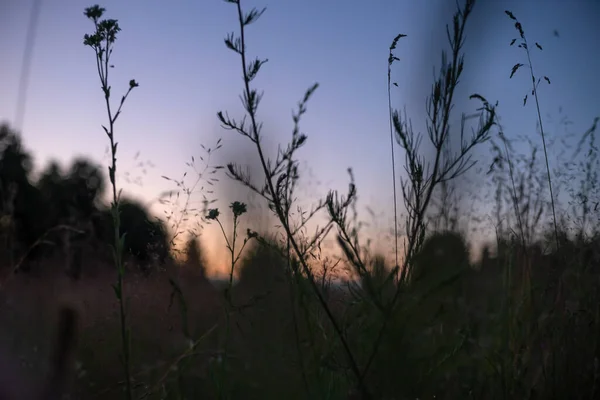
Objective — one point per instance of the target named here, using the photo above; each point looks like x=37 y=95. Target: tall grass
x=523 y=323
x=535 y=83
x=279 y=174
x=102 y=41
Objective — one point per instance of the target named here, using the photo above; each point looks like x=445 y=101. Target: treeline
x=63 y=212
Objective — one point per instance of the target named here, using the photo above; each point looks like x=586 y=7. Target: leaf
x=478 y=97
x=538 y=46
x=510 y=15
x=395 y=84
x=515 y=68
x=513 y=41
x=395 y=41
x=547 y=79
x=253 y=15
x=525 y=100
x=519 y=27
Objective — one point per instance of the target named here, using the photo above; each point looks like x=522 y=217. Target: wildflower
x=213 y=213
x=238 y=208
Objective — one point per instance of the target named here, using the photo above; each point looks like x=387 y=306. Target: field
x=100 y=299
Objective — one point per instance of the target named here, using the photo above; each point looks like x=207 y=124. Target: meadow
x=103 y=300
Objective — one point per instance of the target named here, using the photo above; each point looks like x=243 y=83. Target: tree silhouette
x=263 y=266
x=378 y=282
x=53 y=187
x=67 y=198
x=194 y=254
x=72 y=199
x=15 y=163
x=440 y=277
x=27 y=208
x=86 y=184
x=146 y=239
x=442 y=256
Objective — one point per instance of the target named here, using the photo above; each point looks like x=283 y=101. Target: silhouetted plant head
x=213 y=214
x=106 y=30
x=238 y=208
x=522 y=44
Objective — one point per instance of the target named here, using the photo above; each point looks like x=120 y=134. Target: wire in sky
x=26 y=65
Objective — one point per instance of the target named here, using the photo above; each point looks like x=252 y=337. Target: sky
x=175 y=51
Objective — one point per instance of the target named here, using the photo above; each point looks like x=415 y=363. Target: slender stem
x=102 y=65
x=539 y=114
x=190 y=191
x=389 y=89
x=228 y=295
x=514 y=188
x=119 y=262
x=233 y=258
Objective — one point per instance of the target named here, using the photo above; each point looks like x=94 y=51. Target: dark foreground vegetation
x=139 y=318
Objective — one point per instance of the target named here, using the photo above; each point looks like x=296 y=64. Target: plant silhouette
x=295 y=318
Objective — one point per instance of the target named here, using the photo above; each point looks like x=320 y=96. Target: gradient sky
x=175 y=51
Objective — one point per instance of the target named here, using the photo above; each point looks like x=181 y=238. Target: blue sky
x=175 y=51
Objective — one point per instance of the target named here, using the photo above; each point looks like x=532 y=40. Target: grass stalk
x=102 y=41
x=391 y=59
x=534 y=90
x=251 y=100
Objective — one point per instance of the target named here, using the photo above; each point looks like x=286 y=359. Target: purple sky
x=175 y=51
